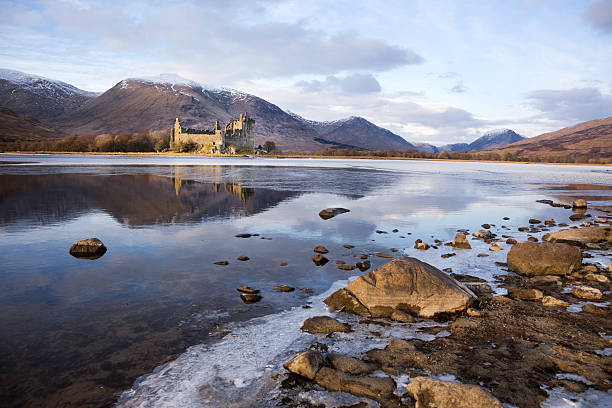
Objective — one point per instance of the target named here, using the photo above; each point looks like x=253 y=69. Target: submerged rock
x=246 y=289
x=90 y=248
x=249 y=298
x=363 y=265
x=284 y=288
x=532 y=259
x=328 y=213
x=306 y=364
x=319 y=260
x=405 y=284
x=434 y=393
x=324 y=324
x=222 y=263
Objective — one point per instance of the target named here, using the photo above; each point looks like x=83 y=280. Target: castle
x=236 y=137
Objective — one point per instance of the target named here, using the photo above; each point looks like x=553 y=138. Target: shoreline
x=294 y=156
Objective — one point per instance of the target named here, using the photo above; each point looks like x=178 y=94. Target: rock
x=433 y=393
x=596 y=277
x=320 y=249
x=383 y=255
x=550 y=221
x=479 y=288
x=363 y=265
x=546 y=279
x=402 y=284
x=532 y=239
x=448 y=255
x=284 y=288
x=243 y=235
x=549 y=202
x=347 y=246
x=340 y=262
x=324 y=324
x=473 y=312
x=532 y=259
x=243 y=258
x=466 y=278
x=395 y=230
x=246 y=289
x=250 y=298
x=349 y=365
x=582 y=236
x=586 y=292
x=485 y=234
x=90 y=248
x=486 y=226
x=511 y=241
x=328 y=213
x=221 y=263
x=550 y=301
x=319 y=260
x=284 y=264
x=576 y=217
x=494 y=247
x=461 y=241
x=346 y=267
x=523 y=229
x=589 y=308
x=580 y=203
x=482 y=255
x=506 y=218
x=418 y=244
x=402 y=317
x=373 y=387
x=524 y=294
x=534 y=221
x=306 y=364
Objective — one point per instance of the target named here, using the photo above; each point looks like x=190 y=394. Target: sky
x=432 y=71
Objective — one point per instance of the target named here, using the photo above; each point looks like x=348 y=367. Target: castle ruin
x=236 y=137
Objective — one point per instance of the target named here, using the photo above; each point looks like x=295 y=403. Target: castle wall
x=237 y=135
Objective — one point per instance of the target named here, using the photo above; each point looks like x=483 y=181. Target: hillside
x=592 y=138
x=14 y=127
x=490 y=140
x=133 y=105
x=40 y=98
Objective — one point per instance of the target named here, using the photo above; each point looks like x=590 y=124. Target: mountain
x=40 y=98
x=14 y=127
x=356 y=132
x=137 y=104
x=592 y=138
x=490 y=140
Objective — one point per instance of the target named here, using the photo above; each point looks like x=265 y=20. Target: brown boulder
x=433 y=393
x=580 y=203
x=319 y=260
x=524 y=294
x=249 y=298
x=90 y=248
x=461 y=241
x=586 y=292
x=582 y=236
x=324 y=324
x=320 y=249
x=545 y=258
x=402 y=284
x=378 y=388
x=349 y=365
x=306 y=364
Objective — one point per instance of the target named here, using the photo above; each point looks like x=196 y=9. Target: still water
x=79 y=332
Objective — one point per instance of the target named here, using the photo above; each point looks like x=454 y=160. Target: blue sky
x=431 y=71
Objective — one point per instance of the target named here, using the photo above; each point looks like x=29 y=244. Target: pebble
x=246 y=289
x=243 y=258
x=494 y=247
x=221 y=263
x=383 y=255
x=319 y=260
x=482 y=255
x=346 y=267
x=320 y=249
x=534 y=221
x=243 y=235
x=448 y=255
x=250 y=298
x=347 y=246
x=284 y=288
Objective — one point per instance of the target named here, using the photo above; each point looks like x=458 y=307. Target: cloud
x=219 y=41
x=578 y=104
x=599 y=15
x=352 y=84
x=458 y=88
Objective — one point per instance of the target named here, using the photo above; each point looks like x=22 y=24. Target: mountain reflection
x=134 y=200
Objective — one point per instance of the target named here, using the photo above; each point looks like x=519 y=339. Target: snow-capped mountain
x=38 y=97
x=492 y=139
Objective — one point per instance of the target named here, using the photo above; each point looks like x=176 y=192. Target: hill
x=40 y=98
x=137 y=104
x=592 y=139
x=492 y=139
x=14 y=127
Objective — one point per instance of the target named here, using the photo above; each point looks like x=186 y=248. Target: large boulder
x=306 y=364
x=90 y=248
x=324 y=324
x=461 y=241
x=544 y=258
x=582 y=236
x=405 y=284
x=378 y=388
x=430 y=392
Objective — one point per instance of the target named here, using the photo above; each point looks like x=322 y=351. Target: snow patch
x=172 y=80
x=39 y=85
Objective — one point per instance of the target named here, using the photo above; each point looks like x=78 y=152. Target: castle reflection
x=133 y=200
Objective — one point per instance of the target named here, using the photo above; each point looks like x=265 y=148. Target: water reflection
x=133 y=200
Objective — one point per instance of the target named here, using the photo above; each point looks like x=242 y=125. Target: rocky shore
x=407 y=334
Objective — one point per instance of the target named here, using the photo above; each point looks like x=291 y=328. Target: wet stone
x=284 y=288
x=221 y=263
x=586 y=292
x=249 y=298
x=246 y=289
x=320 y=249
x=324 y=324
x=319 y=260
x=243 y=258
x=243 y=235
